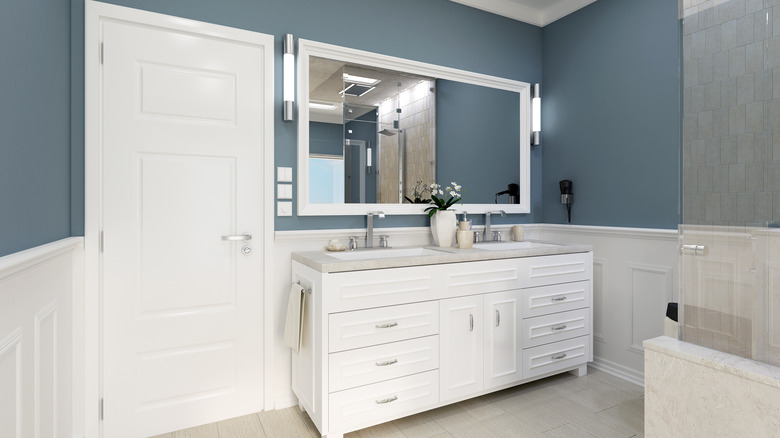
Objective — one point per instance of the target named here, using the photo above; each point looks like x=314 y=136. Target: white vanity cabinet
x=380 y=344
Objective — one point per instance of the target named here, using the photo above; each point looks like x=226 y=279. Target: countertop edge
x=315 y=259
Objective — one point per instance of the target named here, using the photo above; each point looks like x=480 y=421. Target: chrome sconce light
x=289 y=78
x=536 y=114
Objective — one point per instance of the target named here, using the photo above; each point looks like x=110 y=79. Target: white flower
x=454 y=183
x=457 y=187
x=453 y=194
x=440 y=192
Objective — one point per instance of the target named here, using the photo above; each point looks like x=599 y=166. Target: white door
x=502 y=338
x=182 y=178
x=461 y=352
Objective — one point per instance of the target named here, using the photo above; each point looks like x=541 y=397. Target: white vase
x=443 y=226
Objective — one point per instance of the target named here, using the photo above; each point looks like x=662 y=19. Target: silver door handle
x=471 y=322
x=498 y=318
x=238 y=237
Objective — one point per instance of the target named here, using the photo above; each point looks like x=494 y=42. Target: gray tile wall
x=731 y=112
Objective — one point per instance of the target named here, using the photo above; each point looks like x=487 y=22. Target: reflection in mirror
x=390 y=124
x=380 y=122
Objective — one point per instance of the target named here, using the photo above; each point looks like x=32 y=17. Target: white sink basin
x=383 y=253
x=500 y=246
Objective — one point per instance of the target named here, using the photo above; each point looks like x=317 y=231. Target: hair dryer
x=566 y=195
x=513 y=190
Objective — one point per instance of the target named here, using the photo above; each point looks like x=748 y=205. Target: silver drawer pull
x=498 y=318
x=560 y=327
x=559 y=299
x=386 y=363
x=387 y=400
x=558 y=356
x=471 y=322
x=387 y=325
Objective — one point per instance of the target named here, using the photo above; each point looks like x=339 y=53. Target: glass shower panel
x=730 y=85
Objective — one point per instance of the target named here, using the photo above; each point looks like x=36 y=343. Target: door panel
x=182 y=167
x=461 y=335
x=502 y=338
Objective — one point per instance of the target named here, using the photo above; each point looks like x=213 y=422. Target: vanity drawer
x=363 y=328
x=555 y=357
x=555 y=327
x=382 y=287
x=372 y=404
x=363 y=366
x=555 y=298
x=562 y=268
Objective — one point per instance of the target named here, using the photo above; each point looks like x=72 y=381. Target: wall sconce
x=289 y=78
x=536 y=114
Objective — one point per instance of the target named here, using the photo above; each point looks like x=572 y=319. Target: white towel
x=293 y=333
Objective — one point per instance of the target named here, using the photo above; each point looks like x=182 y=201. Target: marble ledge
x=718 y=360
x=322 y=262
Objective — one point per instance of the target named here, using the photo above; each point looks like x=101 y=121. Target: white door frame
x=95 y=14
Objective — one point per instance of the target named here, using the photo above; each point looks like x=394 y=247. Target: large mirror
x=374 y=129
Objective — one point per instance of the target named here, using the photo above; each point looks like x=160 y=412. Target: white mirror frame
x=308 y=48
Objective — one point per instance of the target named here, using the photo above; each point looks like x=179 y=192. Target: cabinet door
x=461 y=350
x=503 y=349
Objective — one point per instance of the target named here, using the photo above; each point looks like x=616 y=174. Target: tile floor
x=597 y=405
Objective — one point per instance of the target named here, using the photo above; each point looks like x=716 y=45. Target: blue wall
x=34 y=123
x=493 y=158
x=609 y=85
x=610 y=116
x=438 y=32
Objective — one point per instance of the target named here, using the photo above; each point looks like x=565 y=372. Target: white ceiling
x=537 y=12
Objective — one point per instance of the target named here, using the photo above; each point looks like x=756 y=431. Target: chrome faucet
x=488 y=234
x=370 y=226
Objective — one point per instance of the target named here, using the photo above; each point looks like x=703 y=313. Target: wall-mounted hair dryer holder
x=567 y=197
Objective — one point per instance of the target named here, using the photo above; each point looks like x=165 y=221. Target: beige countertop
x=326 y=262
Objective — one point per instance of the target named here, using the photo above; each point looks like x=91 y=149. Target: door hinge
x=101 y=53
x=100 y=241
x=100 y=408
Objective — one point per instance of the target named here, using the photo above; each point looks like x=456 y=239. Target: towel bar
x=306 y=290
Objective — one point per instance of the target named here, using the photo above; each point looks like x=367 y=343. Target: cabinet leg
x=301 y=408
x=581 y=371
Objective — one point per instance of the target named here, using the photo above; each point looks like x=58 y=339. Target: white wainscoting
x=37 y=394
x=635 y=275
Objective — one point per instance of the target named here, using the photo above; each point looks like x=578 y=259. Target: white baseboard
x=619 y=371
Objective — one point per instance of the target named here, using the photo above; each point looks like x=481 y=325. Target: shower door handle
x=699 y=250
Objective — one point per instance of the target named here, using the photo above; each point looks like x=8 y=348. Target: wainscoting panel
x=650 y=289
x=36 y=340
x=634 y=276
x=599 y=315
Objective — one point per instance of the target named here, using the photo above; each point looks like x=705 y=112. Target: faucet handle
x=383 y=240
x=353 y=243
x=497 y=236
